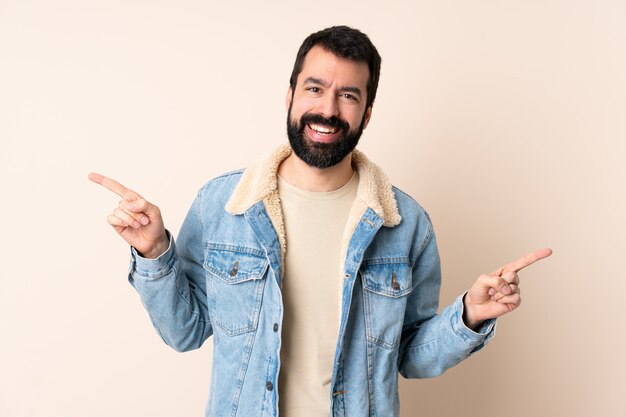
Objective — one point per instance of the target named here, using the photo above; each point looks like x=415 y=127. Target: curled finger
x=118 y=224
x=116 y=221
x=137 y=209
x=514 y=299
x=126 y=218
x=499 y=295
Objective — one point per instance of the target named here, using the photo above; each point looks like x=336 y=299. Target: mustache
x=334 y=121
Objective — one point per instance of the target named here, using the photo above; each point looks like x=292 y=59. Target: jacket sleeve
x=431 y=342
x=172 y=287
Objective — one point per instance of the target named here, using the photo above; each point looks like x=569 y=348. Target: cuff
x=145 y=268
x=479 y=337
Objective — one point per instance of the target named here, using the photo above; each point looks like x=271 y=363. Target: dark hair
x=346 y=43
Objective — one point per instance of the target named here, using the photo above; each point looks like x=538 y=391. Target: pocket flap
x=235 y=265
x=391 y=279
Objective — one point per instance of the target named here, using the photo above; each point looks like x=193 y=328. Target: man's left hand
x=498 y=293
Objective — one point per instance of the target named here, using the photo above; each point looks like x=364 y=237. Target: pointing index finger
x=525 y=261
x=114 y=186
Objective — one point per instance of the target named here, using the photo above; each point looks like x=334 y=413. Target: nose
x=330 y=107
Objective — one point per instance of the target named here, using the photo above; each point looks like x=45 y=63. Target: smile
x=322 y=129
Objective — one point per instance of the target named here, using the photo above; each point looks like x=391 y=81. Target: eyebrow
x=318 y=81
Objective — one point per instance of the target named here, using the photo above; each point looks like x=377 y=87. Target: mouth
x=322 y=133
x=324 y=130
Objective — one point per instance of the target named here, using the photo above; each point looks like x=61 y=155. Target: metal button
x=394 y=282
x=233 y=271
x=275 y=327
x=269 y=386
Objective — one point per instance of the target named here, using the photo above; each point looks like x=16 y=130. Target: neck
x=297 y=173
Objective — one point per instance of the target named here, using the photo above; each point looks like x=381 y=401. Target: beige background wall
x=505 y=119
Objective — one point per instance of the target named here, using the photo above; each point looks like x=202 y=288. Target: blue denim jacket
x=223 y=278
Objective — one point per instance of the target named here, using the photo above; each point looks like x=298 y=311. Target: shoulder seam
x=207 y=184
x=224 y=175
x=406 y=194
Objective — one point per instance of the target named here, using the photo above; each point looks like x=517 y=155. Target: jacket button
x=233 y=271
x=269 y=386
x=394 y=282
x=275 y=327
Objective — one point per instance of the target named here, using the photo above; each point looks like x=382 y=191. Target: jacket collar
x=259 y=183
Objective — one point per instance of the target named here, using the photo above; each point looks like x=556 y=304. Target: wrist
x=158 y=249
x=469 y=315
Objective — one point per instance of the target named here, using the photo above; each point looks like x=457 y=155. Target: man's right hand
x=135 y=219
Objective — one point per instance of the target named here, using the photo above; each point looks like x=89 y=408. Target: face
x=326 y=110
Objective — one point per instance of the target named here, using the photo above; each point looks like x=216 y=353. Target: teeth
x=323 y=129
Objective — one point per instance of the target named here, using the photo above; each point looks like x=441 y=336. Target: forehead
x=322 y=64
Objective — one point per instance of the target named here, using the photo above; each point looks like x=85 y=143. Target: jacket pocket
x=386 y=285
x=236 y=283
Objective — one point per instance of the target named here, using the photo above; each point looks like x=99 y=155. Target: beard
x=317 y=154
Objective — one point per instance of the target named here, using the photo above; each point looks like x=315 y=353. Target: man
x=318 y=280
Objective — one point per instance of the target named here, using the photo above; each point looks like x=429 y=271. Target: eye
x=349 y=96
x=313 y=89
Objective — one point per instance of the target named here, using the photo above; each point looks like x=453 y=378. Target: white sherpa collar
x=259 y=182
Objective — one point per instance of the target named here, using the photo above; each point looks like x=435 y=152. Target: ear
x=288 y=98
x=368 y=115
